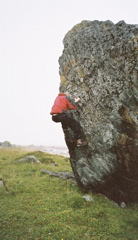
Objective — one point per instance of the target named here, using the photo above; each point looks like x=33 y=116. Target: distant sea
x=50 y=149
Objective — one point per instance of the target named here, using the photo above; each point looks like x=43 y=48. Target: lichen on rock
x=99 y=63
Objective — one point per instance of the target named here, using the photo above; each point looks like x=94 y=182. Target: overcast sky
x=31 y=35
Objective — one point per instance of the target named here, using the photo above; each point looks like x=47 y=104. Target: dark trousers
x=68 y=121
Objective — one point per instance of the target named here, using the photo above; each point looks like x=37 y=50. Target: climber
x=60 y=114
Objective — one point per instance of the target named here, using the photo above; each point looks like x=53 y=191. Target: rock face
x=99 y=63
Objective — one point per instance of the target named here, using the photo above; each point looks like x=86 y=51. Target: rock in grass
x=28 y=159
x=1 y=183
x=63 y=175
x=88 y=198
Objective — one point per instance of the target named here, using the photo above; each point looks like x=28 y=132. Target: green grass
x=40 y=207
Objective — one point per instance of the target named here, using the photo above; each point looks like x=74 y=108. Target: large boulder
x=99 y=63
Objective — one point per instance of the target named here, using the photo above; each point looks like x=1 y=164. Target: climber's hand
x=77 y=99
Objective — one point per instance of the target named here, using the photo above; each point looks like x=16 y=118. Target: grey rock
x=123 y=205
x=99 y=63
x=28 y=159
x=63 y=175
x=1 y=183
x=88 y=198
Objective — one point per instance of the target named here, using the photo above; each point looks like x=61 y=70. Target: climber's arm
x=72 y=104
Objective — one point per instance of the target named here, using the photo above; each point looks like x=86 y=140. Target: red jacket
x=62 y=103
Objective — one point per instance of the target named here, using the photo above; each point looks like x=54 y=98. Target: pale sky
x=31 y=35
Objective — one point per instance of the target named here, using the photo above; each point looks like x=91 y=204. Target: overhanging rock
x=99 y=63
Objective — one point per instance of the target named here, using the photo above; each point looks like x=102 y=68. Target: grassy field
x=35 y=206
